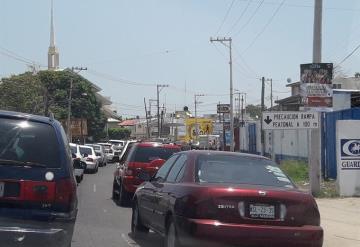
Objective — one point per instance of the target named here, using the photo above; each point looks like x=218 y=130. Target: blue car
x=38 y=199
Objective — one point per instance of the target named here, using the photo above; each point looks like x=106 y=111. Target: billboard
x=205 y=127
x=316 y=84
x=79 y=127
x=223 y=108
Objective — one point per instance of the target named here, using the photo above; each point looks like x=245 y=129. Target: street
x=100 y=221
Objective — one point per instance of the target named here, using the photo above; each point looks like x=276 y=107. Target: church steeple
x=53 y=53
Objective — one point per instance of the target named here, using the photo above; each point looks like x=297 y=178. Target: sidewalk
x=340 y=219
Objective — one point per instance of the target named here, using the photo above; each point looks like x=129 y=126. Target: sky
x=129 y=46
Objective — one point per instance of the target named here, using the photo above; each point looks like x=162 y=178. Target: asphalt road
x=100 y=221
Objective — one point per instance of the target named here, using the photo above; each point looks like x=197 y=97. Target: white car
x=92 y=161
x=109 y=152
x=80 y=164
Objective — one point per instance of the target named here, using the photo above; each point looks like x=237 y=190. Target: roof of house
x=129 y=122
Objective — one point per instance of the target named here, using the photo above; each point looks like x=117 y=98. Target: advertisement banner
x=223 y=108
x=348 y=157
x=205 y=127
x=316 y=84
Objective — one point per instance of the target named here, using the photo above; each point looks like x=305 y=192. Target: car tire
x=124 y=197
x=138 y=230
x=115 y=195
x=171 y=238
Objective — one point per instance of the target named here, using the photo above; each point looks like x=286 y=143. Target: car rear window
x=96 y=147
x=148 y=154
x=229 y=169
x=84 y=150
x=73 y=149
x=28 y=141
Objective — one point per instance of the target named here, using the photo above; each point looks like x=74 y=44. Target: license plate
x=262 y=211
x=2 y=189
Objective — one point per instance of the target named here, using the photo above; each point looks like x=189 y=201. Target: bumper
x=213 y=233
x=33 y=233
x=90 y=166
x=109 y=157
x=78 y=172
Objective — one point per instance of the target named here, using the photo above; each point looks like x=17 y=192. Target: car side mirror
x=73 y=155
x=83 y=165
x=144 y=176
x=76 y=164
x=85 y=155
x=157 y=163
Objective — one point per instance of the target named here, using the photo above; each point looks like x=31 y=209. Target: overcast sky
x=129 y=46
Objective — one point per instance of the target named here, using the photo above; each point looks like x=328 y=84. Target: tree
x=119 y=133
x=48 y=91
x=254 y=111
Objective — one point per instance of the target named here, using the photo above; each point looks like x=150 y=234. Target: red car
x=146 y=156
x=211 y=198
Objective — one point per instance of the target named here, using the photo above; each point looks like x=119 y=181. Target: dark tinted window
x=29 y=141
x=73 y=149
x=240 y=170
x=84 y=150
x=174 y=174
x=148 y=154
x=163 y=171
x=96 y=148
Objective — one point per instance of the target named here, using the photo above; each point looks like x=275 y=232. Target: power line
x=250 y=19
x=226 y=16
x=348 y=56
x=240 y=17
x=266 y=25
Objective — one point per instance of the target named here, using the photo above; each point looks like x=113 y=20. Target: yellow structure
x=205 y=127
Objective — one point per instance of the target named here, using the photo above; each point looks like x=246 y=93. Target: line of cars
x=213 y=198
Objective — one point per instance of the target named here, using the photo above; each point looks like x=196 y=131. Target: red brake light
x=65 y=191
x=89 y=159
x=206 y=210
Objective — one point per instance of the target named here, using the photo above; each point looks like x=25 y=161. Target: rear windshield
x=28 y=141
x=240 y=170
x=73 y=149
x=148 y=154
x=84 y=150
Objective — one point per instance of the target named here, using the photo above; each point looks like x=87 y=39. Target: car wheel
x=171 y=239
x=123 y=198
x=137 y=228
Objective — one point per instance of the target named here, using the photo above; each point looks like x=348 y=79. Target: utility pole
x=147 y=121
x=158 y=89
x=242 y=111
x=196 y=123
x=271 y=94
x=315 y=134
x=229 y=40
x=317 y=39
x=261 y=117
x=73 y=69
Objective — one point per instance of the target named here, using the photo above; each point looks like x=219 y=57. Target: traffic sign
x=290 y=120
x=223 y=108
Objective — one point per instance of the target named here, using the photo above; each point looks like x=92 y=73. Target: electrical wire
x=250 y=19
x=266 y=26
x=349 y=55
x=226 y=16
x=240 y=17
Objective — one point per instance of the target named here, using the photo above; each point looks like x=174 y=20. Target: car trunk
x=261 y=205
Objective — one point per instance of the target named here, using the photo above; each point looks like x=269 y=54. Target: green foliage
x=254 y=111
x=48 y=91
x=119 y=133
x=298 y=171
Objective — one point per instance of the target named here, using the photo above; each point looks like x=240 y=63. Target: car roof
x=27 y=116
x=157 y=144
x=85 y=146
x=73 y=144
x=237 y=154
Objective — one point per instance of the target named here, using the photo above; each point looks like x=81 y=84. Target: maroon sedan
x=208 y=198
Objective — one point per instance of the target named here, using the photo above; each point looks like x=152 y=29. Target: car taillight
x=206 y=210
x=89 y=159
x=65 y=192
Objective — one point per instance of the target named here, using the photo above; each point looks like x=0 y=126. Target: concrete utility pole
x=229 y=40
x=147 y=121
x=261 y=116
x=196 y=123
x=158 y=89
x=68 y=127
x=315 y=137
x=317 y=39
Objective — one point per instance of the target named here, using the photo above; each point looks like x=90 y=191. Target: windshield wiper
x=21 y=163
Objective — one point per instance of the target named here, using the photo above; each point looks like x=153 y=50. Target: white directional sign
x=290 y=120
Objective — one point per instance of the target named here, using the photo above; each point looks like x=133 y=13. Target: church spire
x=53 y=53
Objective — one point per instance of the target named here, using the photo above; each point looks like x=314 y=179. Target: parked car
x=79 y=168
x=146 y=156
x=79 y=162
x=118 y=143
x=38 y=199
x=126 y=147
x=212 y=198
x=92 y=161
x=108 y=151
x=100 y=153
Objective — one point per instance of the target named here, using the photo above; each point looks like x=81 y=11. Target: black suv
x=38 y=201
